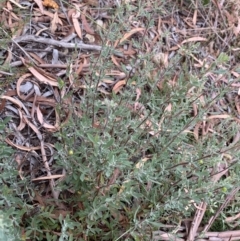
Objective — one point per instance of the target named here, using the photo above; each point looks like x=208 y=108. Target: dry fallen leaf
x=51 y=15
x=40 y=5
x=75 y=16
x=236 y=30
x=86 y=25
x=42 y=78
x=53 y=25
x=129 y=34
x=218 y=116
x=94 y=3
x=194 y=39
x=23 y=148
x=114 y=60
x=46 y=125
x=118 y=86
x=48 y=177
x=17 y=4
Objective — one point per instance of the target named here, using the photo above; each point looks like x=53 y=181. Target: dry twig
x=61 y=44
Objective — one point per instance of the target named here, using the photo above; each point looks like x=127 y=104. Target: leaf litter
x=33 y=99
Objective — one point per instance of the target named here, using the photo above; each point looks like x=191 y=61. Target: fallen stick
x=61 y=44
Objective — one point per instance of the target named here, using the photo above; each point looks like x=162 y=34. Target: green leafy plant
x=139 y=151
